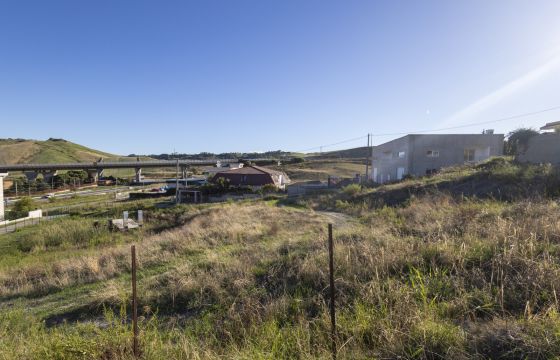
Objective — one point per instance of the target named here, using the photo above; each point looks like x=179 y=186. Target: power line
x=474 y=124
x=434 y=130
x=333 y=144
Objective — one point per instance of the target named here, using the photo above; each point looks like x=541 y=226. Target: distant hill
x=354 y=153
x=276 y=154
x=19 y=151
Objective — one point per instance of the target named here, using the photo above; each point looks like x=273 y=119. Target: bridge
x=95 y=169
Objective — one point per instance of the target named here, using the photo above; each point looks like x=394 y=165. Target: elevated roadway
x=95 y=169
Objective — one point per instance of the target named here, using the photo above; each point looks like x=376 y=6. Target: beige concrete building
x=424 y=154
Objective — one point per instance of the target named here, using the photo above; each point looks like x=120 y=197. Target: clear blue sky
x=154 y=76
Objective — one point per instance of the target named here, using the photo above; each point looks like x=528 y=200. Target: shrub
x=352 y=189
x=21 y=208
x=268 y=188
x=518 y=140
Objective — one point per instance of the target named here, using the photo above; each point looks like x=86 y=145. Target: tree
x=21 y=208
x=518 y=140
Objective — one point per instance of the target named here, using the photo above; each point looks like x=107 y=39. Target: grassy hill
x=16 y=151
x=465 y=266
x=354 y=153
x=498 y=179
x=321 y=169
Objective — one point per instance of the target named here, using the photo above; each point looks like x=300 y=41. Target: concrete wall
x=543 y=148
x=411 y=153
x=305 y=188
x=451 y=150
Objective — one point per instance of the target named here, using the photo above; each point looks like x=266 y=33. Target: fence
x=332 y=293
x=10 y=226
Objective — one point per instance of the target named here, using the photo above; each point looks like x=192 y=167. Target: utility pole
x=370 y=154
x=177 y=182
x=367 y=158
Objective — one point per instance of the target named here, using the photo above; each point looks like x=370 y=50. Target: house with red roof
x=254 y=176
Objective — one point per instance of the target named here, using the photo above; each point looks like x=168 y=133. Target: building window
x=402 y=154
x=432 y=153
x=469 y=154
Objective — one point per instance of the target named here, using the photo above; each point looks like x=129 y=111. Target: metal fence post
x=332 y=293
x=134 y=304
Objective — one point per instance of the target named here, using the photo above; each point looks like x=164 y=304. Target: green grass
x=438 y=276
x=56 y=151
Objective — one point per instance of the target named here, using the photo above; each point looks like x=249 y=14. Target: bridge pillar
x=2 y=176
x=31 y=175
x=100 y=173
x=138 y=177
x=48 y=175
x=92 y=175
x=184 y=172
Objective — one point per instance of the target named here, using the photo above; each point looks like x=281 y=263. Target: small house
x=254 y=176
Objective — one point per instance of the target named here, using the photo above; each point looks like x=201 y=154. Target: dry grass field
x=321 y=169
x=440 y=275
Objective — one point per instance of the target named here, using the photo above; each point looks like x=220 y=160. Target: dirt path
x=337 y=219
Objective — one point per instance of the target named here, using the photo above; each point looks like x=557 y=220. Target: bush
x=352 y=189
x=268 y=188
x=518 y=140
x=21 y=208
x=298 y=160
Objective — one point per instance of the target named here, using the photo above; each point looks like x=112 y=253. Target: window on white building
x=432 y=153
x=469 y=154
x=402 y=154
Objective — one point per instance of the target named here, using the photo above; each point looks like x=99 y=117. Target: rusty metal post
x=134 y=304
x=332 y=292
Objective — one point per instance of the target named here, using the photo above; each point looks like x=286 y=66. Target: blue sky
x=190 y=76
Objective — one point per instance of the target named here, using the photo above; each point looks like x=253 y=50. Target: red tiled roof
x=251 y=169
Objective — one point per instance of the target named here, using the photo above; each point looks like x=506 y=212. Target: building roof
x=551 y=125
x=251 y=170
x=438 y=135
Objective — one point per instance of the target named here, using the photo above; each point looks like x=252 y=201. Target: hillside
x=465 y=266
x=18 y=151
x=354 y=153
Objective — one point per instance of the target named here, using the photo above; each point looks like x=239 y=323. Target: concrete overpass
x=95 y=169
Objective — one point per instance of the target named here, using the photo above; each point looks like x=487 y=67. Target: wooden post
x=134 y=304
x=332 y=292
